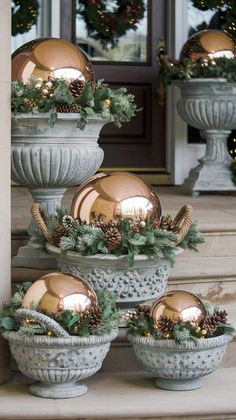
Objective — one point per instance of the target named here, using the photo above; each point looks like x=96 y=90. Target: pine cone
x=210 y=322
x=59 y=232
x=67 y=108
x=95 y=317
x=68 y=221
x=113 y=238
x=76 y=87
x=222 y=316
x=164 y=324
x=167 y=223
x=143 y=309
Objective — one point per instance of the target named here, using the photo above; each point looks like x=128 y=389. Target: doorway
x=139 y=145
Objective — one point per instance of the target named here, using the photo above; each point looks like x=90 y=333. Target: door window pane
x=131 y=47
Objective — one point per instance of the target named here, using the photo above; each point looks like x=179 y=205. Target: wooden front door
x=139 y=145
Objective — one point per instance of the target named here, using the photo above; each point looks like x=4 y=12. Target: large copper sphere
x=116 y=195
x=50 y=58
x=180 y=306
x=210 y=43
x=57 y=292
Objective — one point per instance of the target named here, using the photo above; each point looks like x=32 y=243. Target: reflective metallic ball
x=209 y=44
x=57 y=292
x=111 y=196
x=178 y=305
x=49 y=58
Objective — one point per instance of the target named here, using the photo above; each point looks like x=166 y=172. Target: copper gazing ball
x=109 y=196
x=57 y=292
x=50 y=58
x=209 y=44
x=180 y=306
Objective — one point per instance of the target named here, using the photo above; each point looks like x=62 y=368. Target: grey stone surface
x=59 y=363
x=210 y=106
x=180 y=366
x=147 y=279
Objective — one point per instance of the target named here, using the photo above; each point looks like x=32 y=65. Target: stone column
x=5 y=179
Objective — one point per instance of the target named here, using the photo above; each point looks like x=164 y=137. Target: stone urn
x=147 y=279
x=179 y=366
x=58 y=363
x=47 y=160
x=210 y=106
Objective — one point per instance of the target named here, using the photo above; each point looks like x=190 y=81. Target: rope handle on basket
x=44 y=320
x=36 y=211
x=182 y=222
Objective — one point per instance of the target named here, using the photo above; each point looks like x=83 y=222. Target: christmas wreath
x=24 y=15
x=108 y=26
x=226 y=9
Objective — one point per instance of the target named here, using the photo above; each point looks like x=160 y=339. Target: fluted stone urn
x=47 y=160
x=210 y=106
x=179 y=366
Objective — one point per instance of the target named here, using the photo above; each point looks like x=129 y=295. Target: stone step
x=125 y=396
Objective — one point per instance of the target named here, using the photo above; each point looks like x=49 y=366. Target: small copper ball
x=209 y=44
x=109 y=196
x=57 y=292
x=179 y=306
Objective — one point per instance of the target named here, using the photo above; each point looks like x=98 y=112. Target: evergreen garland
x=89 y=239
x=55 y=95
x=108 y=26
x=24 y=15
x=219 y=67
x=213 y=324
x=96 y=321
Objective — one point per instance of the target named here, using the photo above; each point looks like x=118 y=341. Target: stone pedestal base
x=206 y=177
x=33 y=256
x=213 y=172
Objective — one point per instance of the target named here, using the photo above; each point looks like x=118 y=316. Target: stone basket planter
x=179 y=367
x=57 y=363
x=47 y=160
x=147 y=279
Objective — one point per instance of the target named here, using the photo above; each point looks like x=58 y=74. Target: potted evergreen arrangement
x=178 y=342
x=131 y=259
x=59 y=348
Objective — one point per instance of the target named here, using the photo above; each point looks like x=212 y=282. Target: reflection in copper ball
x=115 y=196
x=48 y=58
x=209 y=44
x=57 y=292
x=180 y=306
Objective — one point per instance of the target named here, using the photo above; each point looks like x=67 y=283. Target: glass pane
x=199 y=20
x=131 y=47
x=21 y=39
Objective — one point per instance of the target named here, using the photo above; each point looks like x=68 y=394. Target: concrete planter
x=210 y=106
x=147 y=279
x=48 y=159
x=179 y=367
x=58 y=363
